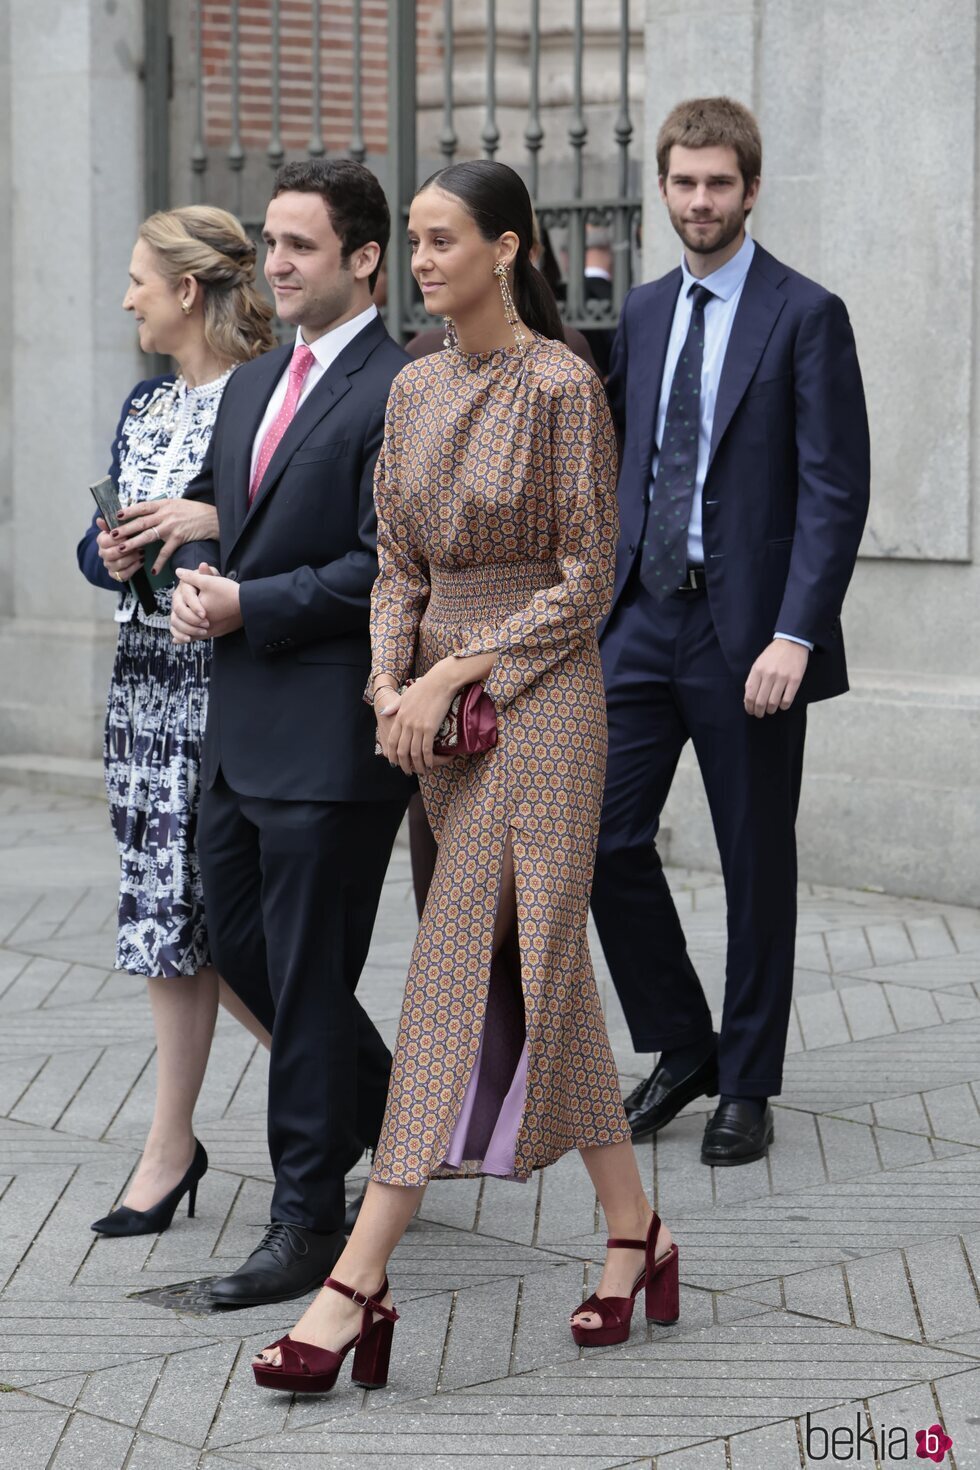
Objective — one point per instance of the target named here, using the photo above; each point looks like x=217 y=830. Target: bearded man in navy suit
x=743 y=493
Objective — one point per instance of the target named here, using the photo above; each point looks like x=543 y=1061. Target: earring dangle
x=510 y=309
x=450 y=340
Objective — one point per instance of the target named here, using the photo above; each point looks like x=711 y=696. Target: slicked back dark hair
x=497 y=198
x=354 y=199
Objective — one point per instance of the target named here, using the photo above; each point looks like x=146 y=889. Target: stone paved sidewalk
x=837 y=1280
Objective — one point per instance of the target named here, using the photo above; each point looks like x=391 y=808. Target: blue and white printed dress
x=158 y=698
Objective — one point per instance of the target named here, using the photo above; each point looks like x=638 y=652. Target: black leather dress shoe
x=661 y=1097
x=737 y=1133
x=289 y=1262
x=353 y=1210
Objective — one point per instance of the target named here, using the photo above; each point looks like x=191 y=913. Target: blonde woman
x=192 y=293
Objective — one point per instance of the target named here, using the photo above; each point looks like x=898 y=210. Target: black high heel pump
x=125 y=1221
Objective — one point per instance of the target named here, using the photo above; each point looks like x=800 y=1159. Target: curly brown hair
x=712 y=122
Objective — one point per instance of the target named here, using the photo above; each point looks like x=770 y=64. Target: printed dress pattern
x=497 y=525
x=158 y=699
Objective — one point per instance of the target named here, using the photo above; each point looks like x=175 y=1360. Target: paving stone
x=822 y=1019
x=510 y=1211
x=121 y=1393
x=862 y=1212
x=945 y=1291
x=912 y=1008
x=958 y=1413
x=886 y=1066
x=188 y=1392
x=36 y=980
x=29 y=1432
x=88 y=1441
x=837 y=1222
x=848 y=949
x=708 y=1456
x=889 y=943
x=16 y=1076
x=161 y=1454
x=773 y=1445
x=105 y=1088
x=927 y=974
x=63 y=1391
x=481 y=1334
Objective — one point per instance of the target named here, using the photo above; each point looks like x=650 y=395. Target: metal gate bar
x=241 y=131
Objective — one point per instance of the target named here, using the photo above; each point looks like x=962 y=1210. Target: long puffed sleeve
x=401 y=590
x=583 y=470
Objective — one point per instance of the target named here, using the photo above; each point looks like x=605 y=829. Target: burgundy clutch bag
x=470 y=726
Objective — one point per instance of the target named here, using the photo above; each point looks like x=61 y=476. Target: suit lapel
x=328 y=392
x=261 y=383
x=655 y=326
x=755 y=317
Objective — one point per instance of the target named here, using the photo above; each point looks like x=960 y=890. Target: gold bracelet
x=384 y=689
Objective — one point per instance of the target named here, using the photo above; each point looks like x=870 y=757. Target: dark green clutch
x=143 y=583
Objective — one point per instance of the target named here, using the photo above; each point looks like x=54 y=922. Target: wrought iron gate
x=234 y=88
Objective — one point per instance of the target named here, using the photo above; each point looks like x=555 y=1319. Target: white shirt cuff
x=790 y=639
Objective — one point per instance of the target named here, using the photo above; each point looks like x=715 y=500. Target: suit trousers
x=667 y=681
x=291 y=890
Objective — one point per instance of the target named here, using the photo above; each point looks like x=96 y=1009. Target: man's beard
x=730 y=228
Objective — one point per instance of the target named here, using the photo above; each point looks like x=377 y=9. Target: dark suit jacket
x=786 y=494
x=87 y=551
x=286 y=718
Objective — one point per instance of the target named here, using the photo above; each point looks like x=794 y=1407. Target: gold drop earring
x=510 y=310
x=450 y=340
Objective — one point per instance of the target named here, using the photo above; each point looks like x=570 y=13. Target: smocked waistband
x=488 y=589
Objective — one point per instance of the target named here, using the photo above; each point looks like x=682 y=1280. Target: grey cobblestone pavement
x=827 y=1291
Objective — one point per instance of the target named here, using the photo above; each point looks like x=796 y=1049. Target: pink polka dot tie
x=300 y=364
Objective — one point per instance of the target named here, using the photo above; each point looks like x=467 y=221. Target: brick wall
x=295 y=71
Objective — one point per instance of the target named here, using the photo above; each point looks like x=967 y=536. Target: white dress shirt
x=326 y=350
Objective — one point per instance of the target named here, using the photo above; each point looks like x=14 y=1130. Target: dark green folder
x=143 y=583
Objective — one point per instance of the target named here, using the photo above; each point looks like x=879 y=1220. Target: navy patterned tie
x=665 y=549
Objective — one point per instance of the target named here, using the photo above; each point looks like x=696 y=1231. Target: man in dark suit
x=598 y=286
x=743 y=496
x=298 y=817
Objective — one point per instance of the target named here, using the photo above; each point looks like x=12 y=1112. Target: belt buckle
x=690 y=583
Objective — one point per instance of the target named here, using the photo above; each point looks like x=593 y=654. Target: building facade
x=870 y=125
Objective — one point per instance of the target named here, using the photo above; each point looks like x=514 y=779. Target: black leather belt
x=694 y=580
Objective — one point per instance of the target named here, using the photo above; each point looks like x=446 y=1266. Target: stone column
x=868 y=115
x=70 y=146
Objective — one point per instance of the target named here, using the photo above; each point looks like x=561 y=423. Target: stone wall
x=869 y=117
x=869 y=121
x=70 y=153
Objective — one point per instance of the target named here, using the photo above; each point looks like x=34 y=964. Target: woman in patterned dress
x=193 y=295
x=497 y=523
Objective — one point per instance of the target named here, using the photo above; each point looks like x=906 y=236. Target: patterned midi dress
x=157 y=705
x=497 y=524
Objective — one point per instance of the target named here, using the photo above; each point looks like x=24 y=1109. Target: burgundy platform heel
x=662 y=1299
x=308 y=1369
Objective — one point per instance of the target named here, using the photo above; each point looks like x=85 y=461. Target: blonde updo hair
x=210 y=244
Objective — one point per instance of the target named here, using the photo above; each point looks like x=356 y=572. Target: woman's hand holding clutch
x=408 y=721
x=173 y=521
x=117 y=558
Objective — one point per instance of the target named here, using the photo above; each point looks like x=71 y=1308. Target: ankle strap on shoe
x=616 y=1242
x=369 y=1303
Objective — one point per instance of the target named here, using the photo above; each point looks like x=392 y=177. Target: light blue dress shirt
x=725 y=284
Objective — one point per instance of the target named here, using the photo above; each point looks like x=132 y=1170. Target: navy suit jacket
x=286 y=716
x=87 y=551
x=786 y=492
